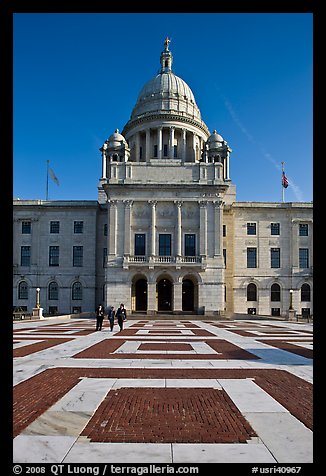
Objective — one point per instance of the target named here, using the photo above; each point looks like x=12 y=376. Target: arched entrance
x=164 y=295
x=141 y=295
x=188 y=295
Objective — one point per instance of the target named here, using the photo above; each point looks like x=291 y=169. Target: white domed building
x=166 y=234
x=165 y=203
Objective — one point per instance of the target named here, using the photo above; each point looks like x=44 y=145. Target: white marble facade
x=166 y=233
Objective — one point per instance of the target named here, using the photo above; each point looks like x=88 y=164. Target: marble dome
x=166 y=93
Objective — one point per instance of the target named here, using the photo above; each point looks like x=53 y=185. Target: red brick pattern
x=35 y=395
x=162 y=332
x=168 y=415
x=290 y=347
x=221 y=349
x=165 y=346
x=37 y=346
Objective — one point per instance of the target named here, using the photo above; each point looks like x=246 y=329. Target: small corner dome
x=116 y=139
x=215 y=138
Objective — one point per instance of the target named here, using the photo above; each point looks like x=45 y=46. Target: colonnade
x=152 y=141
x=122 y=226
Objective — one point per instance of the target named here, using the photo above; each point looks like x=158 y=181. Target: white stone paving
x=54 y=437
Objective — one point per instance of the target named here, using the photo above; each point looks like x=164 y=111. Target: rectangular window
x=251 y=257
x=303 y=229
x=78 y=226
x=155 y=150
x=53 y=310
x=165 y=150
x=305 y=311
x=224 y=230
x=276 y=311
x=303 y=258
x=140 y=153
x=140 y=244
x=275 y=228
x=25 y=256
x=190 y=245
x=275 y=258
x=26 y=227
x=77 y=253
x=224 y=256
x=54 y=256
x=165 y=245
x=54 y=226
x=105 y=254
x=175 y=151
x=251 y=228
x=105 y=229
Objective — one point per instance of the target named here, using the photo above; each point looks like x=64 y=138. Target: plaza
x=163 y=390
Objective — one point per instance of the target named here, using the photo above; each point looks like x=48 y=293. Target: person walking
x=111 y=316
x=99 y=317
x=121 y=315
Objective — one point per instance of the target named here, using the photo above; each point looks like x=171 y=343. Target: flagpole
x=282 y=182
x=47 y=180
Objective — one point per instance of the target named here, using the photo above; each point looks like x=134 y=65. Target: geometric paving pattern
x=185 y=415
x=217 y=388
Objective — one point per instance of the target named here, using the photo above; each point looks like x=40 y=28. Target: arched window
x=53 y=291
x=251 y=292
x=23 y=290
x=275 y=292
x=77 y=291
x=305 y=292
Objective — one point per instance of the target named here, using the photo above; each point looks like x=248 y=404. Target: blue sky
x=77 y=77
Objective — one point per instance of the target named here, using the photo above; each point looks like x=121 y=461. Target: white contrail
x=296 y=189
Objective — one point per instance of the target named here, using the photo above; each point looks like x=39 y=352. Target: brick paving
x=35 y=395
x=179 y=374
x=192 y=415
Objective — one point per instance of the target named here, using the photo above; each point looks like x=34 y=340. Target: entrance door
x=164 y=295
x=141 y=295
x=188 y=295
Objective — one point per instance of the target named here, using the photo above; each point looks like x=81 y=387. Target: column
x=151 y=297
x=112 y=227
x=194 y=147
x=159 y=142
x=217 y=227
x=148 y=144
x=153 y=228
x=104 y=161
x=227 y=172
x=179 y=230
x=171 y=152
x=127 y=234
x=184 y=145
x=177 y=295
x=137 y=146
x=203 y=227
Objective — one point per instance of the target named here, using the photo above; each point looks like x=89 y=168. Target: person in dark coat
x=111 y=316
x=121 y=315
x=99 y=317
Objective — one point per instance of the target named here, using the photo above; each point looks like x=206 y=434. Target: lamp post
x=37 y=312
x=292 y=313
x=37 y=305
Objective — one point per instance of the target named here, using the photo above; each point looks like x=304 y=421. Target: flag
x=285 y=182
x=53 y=176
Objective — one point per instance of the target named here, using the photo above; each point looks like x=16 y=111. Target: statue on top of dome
x=166 y=43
